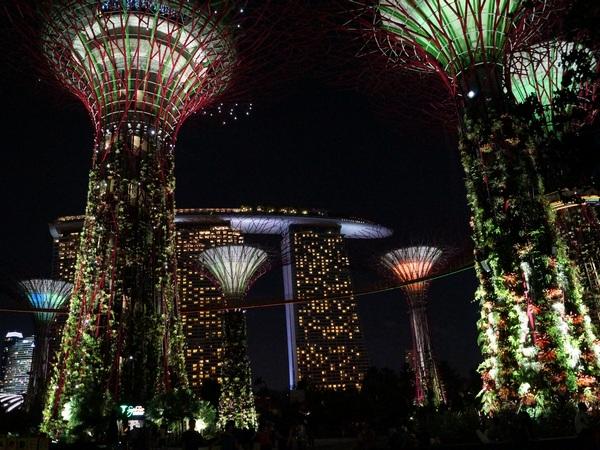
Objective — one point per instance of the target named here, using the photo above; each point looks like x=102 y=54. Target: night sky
x=314 y=147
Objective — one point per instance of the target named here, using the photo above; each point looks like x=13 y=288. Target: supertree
x=235 y=268
x=47 y=297
x=535 y=335
x=141 y=68
x=557 y=76
x=409 y=265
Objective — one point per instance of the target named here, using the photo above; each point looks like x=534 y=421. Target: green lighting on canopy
x=234 y=267
x=456 y=34
x=46 y=294
x=158 y=61
x=539 y=71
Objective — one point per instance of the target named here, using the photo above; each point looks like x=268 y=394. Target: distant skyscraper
x=17 y=355
x=323 y=336
x=9 y=340
x=65 y=235
x=66 y=244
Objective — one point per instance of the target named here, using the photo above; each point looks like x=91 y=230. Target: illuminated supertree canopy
x=145 y=62
x=45 y=294
x=452 y=36
x=410 y=266
x=141 y=68
x=522 y=266
x=455 y=33
x=539 y=71
x=235 y=268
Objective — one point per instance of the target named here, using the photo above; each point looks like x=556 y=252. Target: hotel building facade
x=324 y=338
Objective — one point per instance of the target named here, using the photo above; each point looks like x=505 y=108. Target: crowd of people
x=266 y=438
x=412 y=435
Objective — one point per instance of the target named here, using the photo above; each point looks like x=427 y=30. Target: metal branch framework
x=409 y=265
x=149 y=62
x=235 y=268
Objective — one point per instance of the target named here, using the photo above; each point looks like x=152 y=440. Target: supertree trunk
x=539 y=348
x=122 y=339
x=428 y=386
x=39 y=370
x=236 y=402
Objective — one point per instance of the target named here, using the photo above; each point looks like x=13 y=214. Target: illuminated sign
x=133 y=411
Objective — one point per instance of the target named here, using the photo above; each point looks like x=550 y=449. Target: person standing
x=191 y=439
